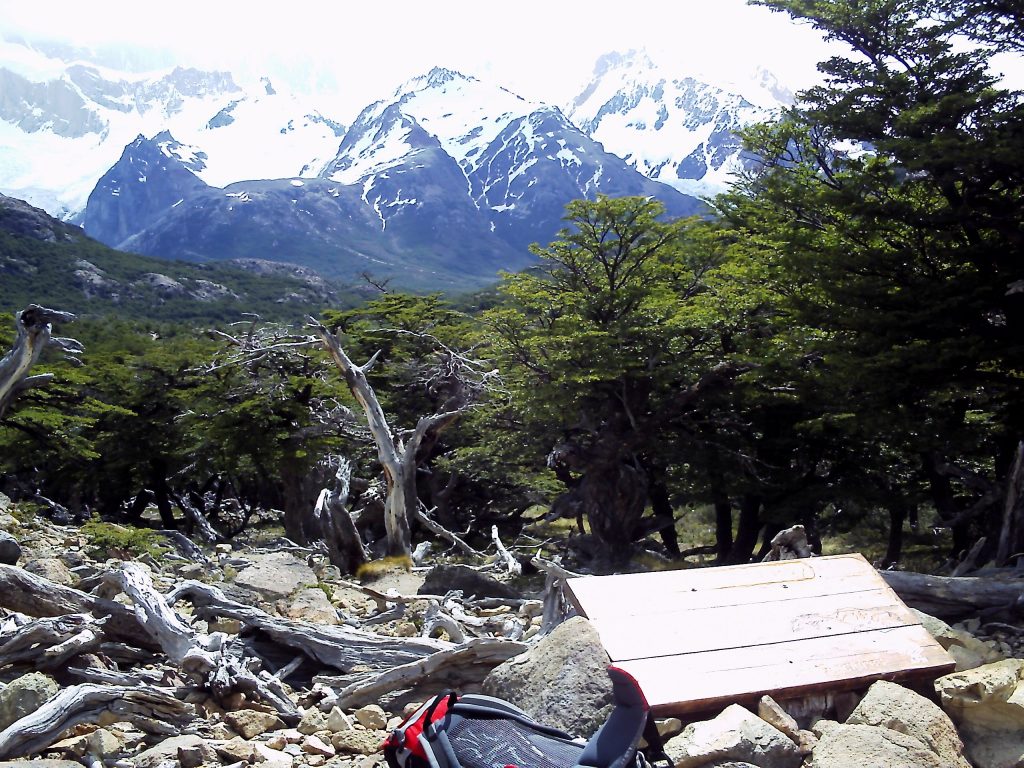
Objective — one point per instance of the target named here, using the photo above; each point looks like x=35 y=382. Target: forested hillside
x=841 y=345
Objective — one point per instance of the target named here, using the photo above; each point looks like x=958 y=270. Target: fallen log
x=954 y=598
x=338 y=647
x=33 y=595
x=452 y=668
x=147 y=707
x=51 y=642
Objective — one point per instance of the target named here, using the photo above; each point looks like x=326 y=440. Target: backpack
x=474 y=731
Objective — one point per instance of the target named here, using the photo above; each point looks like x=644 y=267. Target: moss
x=377 y=568
x=124 y=542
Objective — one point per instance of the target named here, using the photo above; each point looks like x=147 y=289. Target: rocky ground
x=266 y=655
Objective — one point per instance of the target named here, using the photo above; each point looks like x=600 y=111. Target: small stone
x=669 y=727
x=276 y=741
x=406 y=629
x=195 y=755
x=769 y=710
x=369 y=762
x=221 y=732
x=316 y=760
x=394 y=722
x=312 y=721
x=103 y=743
x=234 y=700
x=223 y=549
x=25 y=695
x=312 y=745
x=273 y=758
x=292 y=735
x=410 y=709
x=250 y=723
x=228 y=626
x=236 y=749
x=806 y=742
x=292 y=749
x=10 y=549
x=338 y=721
x=371 y=717
x=357 y=742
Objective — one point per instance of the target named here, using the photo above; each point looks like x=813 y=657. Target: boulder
x=24 y=695
x=965 y=648
x=561 y=681
x=442 y=579
x=737 y=735
x=869 y=746
x=52 y=568
x=10 y=549
x=900 y=709
x=358 y=742
x=309 y=604
x=276 y=575
x=987 y=704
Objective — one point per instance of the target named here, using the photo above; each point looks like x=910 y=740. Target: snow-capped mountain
x=445 y=183
x=64 y=123
x=680 y=130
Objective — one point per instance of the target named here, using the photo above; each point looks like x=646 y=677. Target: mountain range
x=440 y=185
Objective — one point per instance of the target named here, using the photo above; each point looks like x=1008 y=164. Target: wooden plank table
x=696 y=639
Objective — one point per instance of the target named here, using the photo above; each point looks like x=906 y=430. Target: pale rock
x=24 y=695
x=315 y=761
x=371 y=717
x=356 y=742
x=221 y=732
x=394 y=722
x=966 y=649
x=370 y=762
x=196 y=755
x=806 y=741
x=338 y=721
x=309 y=604
x=406 y=629
x=868 y=746
x=191 y=571
x=292 y=735
x=103 y=743
x=736 y=734
x=223 y=549
x=987 y=704
x=271 y=758
x=669 y=727
x=892 y=706
x=312 y=721
x=769 y=710
x=236 y=749
x=250 y=723
x=275 y=575
x=166 y=750
x=313 y=745
x=75 y=745
x=823 y=726
x=410 y=709
x=276 y=741
x=293 y=749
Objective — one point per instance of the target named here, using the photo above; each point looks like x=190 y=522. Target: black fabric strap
x=655 y=744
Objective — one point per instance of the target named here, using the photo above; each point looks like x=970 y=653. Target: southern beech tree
x=607 y=351
x=891 y=196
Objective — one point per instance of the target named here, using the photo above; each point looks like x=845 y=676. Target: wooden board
x=699 y=638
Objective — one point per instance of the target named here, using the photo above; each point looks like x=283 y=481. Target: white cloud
x=543 y=49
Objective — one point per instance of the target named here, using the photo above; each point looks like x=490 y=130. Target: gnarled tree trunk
x=34 y=324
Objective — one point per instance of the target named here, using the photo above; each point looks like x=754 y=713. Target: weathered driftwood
x=345 y=547
x=556 y=606
x=34 y=324
x=50 y=642
x=213 y=661
x=433 y=526
x=466 y=663
x=435 y=618
x=504 y=557
x=147 y=707
x=35 y=596
x=340 y=648
x=952 y=598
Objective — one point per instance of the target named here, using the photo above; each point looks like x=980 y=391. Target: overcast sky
x=540 y=49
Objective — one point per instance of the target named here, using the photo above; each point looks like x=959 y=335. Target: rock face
x=736 y=735
x=561 y=681
x=276 y=575
x=892 y=706
x=24 y=696
x=10 y=550
x=987 y=704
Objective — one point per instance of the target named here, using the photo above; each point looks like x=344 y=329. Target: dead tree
x=400 y=454
x=344 y=545
x=35 y=325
